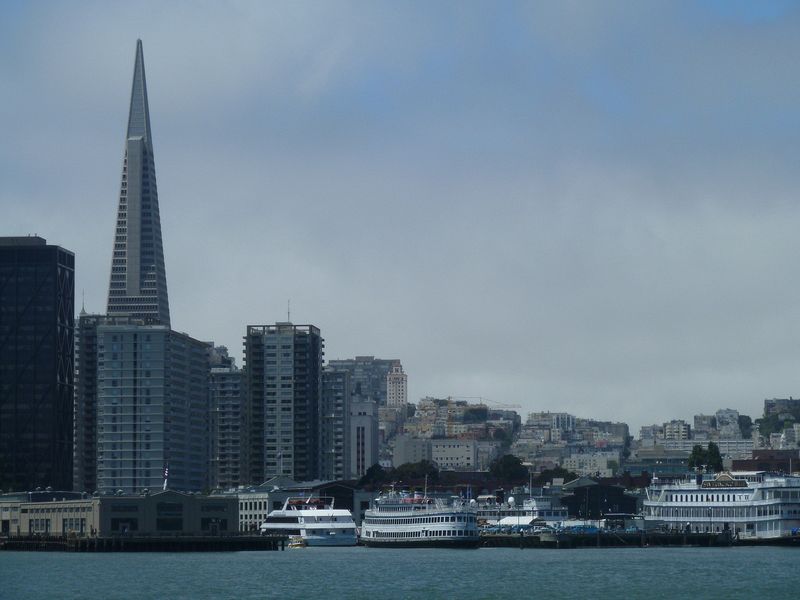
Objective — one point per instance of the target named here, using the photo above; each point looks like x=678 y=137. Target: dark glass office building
x=37 y=307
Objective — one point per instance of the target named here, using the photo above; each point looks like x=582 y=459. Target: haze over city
x=578 y=207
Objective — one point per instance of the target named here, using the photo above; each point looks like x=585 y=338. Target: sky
x=577 y=206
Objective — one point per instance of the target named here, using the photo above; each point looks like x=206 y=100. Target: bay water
x=360 y=572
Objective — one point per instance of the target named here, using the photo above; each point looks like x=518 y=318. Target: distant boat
x=314 y=520
x=297 y=541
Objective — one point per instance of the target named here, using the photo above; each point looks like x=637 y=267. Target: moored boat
x=314 y=520
x=398 y=520
x=747 y=504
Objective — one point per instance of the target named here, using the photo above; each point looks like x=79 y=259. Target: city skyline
x=574 y=226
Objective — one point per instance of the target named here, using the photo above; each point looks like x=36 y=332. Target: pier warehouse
x=160 y=513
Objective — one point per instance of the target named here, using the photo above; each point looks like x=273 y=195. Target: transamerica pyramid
x=138 y=285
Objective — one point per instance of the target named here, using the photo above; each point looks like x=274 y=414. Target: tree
x=746 y=426
x=500 y=435
x=713 y=457
x=709 y=458
x=698 y=457
x=476 y=414
x=375 y=475
x=777 y=422
x=418 y=470
x=508 y=468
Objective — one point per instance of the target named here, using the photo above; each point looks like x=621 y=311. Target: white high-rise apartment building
x=396 y=386
x=677 y=429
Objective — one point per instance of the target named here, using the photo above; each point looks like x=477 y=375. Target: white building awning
x=516 y=521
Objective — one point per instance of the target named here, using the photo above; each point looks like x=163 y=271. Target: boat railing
x=308 y=503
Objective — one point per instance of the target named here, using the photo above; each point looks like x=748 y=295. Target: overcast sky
x=578 y=206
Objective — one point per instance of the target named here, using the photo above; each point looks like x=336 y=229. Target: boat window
x=281 y=520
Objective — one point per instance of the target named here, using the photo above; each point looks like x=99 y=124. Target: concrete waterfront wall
x=233 y=543
x=608 y=539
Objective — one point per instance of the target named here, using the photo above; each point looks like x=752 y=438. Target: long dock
x=234 y=543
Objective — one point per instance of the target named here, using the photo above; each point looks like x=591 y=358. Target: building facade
x=152 y=408
x=734 y=448
x=705 y=424
x=84 y=456
x=369 y=376
x=776 y=406
x=37 y=308
x=396 y=387
x=283 y=365
x=335 y=425
x=364 y=434
x=410 y=450
x=226 y=399
x=594 y=463
x=677 y=430
x=455 y=454
x=728 y=423
x=157 y=514
x=138 y=284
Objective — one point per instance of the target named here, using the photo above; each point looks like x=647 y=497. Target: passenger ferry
x=752 y=504
x=315 y=520
x=398 y=519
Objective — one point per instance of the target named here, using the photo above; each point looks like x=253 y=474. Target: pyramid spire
x=139 y=114
x=138 y=284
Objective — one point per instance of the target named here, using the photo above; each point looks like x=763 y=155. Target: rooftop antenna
x=289 y=311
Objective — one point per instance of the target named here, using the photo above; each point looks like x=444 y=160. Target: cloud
x=564 y=206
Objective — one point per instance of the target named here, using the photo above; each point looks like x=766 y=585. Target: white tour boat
x=400 y=519
x=313 y=519
x=752 y=504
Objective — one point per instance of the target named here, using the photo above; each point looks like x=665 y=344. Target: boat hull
x=467 y=543
x=331 y=540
